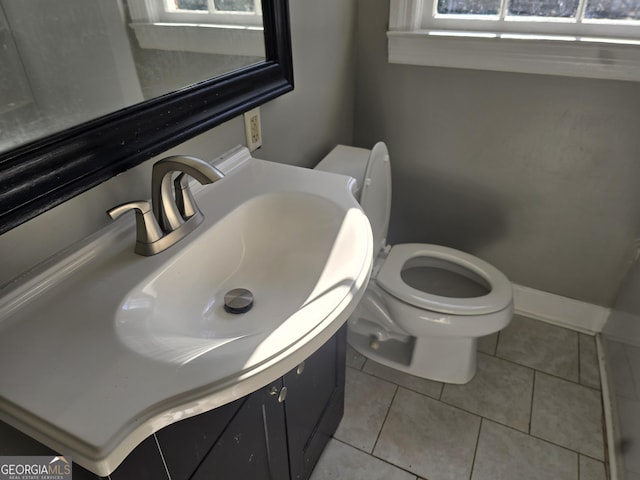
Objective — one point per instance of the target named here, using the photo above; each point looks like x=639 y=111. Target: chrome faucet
x=173 y=212
x=169 y=209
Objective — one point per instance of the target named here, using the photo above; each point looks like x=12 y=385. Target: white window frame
x=164 y=12
x=227 y=33
x=593 y=49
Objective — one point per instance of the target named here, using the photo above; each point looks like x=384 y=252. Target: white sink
x=284 y=247
x=107 y=347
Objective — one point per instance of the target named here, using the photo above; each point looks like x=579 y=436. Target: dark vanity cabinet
x=315 y=403
x=276 y=433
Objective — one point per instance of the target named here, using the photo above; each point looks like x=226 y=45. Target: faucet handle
x=147 y=229
x=184 y=197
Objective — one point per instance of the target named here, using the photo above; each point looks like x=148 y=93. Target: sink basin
x=107 y=347
x=280 y=246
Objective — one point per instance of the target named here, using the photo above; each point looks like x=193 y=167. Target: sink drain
x=238 y=300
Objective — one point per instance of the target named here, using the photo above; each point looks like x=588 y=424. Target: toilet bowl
x=425 y=305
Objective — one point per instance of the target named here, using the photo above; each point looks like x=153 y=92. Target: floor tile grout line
x=371 y=374
x=363 y=363
x=395 y=466
x=386 y=415
x=361 y=369
x=476 y=414
x=370 y=454
x=568 y=330
x=495 y=349
x=475 y=450
x=513 y=362
x=566 y=448
x=546 y=373
x=533 y=396
x=544 y=440
x=567 y=380
x=579 y=359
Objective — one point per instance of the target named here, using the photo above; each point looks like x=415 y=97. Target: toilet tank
x=350 y=161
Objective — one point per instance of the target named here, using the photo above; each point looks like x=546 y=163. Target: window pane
x=469 y=7
x=235 y=5
x=198 y=5
x=613 y=9
x=544 y=8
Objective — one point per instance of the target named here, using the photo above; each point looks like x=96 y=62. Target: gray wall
x=298 y=128
x=536 y=174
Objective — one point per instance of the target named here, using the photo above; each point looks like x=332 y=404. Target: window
x=590 y=38
x=598 y=18
x=226 y=27
x=228 y=12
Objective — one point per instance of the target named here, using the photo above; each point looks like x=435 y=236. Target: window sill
x=186 y=37
x=568 y=56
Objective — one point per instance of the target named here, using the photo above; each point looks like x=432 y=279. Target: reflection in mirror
x=66 y=62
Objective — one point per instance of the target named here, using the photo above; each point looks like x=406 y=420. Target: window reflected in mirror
x=66 y=62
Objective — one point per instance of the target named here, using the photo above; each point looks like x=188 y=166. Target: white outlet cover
x=254 y=139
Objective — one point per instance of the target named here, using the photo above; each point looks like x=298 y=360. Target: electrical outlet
x=253 y=129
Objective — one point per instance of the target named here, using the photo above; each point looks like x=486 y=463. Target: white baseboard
x=555 y=309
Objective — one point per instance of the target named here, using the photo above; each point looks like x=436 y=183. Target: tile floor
x=533 y=411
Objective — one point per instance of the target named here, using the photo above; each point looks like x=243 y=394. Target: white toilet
x=425 y=305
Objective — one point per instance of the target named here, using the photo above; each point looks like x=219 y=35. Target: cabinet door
x=144 y=463
x=186 y=443
x=254 y=443
x=315 y=404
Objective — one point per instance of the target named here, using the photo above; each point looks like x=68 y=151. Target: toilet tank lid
x=345 y=160
x=372 y=171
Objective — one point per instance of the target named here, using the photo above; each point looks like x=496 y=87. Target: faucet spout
x=172 y=214
x=165 y=200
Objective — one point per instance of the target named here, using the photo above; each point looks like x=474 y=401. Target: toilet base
x=443 y=359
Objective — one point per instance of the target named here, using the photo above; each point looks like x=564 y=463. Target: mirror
x=89 y=89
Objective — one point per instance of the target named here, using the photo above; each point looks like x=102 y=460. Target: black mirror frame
x=40 y=175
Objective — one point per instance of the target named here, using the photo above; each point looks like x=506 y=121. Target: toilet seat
x=390 y=279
